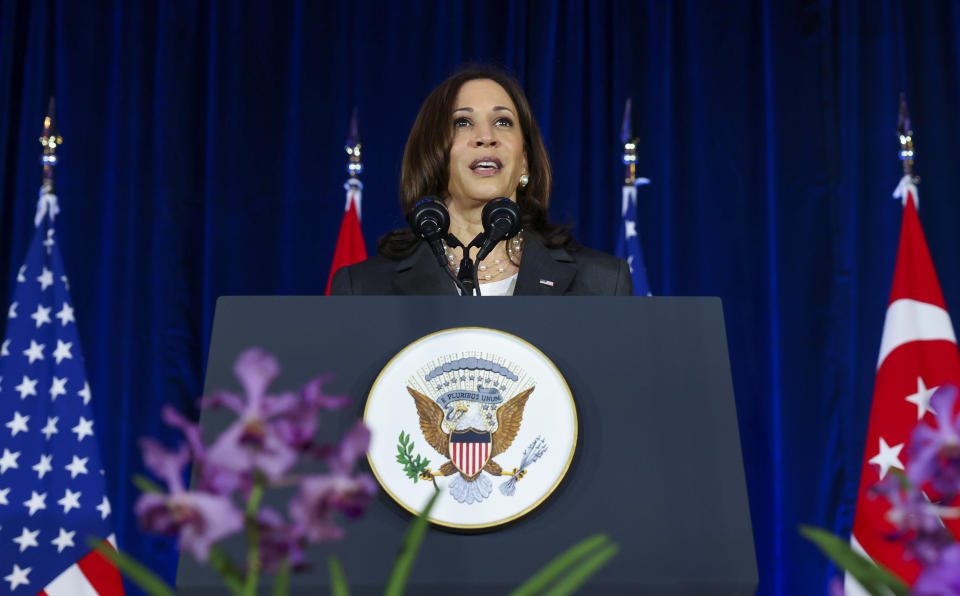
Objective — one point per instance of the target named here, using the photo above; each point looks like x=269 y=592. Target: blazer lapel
x=421 y=275
x=544 y=271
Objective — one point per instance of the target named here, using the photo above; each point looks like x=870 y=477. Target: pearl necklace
x=514 y=250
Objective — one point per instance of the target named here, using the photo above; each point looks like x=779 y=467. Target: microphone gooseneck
x=430 y=220
x=501 y=221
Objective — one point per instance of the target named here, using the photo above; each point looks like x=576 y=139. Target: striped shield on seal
x=470 y=450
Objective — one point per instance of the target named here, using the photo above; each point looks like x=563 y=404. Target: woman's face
x=487 y=155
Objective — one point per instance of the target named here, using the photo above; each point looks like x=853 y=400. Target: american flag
x=628 y=242
x=52 y=488
x=628 y=239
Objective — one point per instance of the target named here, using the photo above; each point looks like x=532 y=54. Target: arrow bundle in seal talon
x=530 y=455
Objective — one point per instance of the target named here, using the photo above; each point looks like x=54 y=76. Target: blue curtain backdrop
x=203 y=156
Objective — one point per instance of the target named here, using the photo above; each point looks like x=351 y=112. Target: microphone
x=430 y=220
x=501 y=220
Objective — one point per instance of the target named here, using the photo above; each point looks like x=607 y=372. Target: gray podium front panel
x=658 y=464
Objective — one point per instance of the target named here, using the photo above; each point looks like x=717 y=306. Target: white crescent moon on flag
x=909 y=320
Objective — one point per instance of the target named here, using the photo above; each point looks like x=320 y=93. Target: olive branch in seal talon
x=416 y=467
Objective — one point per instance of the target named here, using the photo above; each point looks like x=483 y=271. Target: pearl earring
x=524 y=180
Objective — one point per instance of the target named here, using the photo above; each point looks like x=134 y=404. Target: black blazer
x=543 y=272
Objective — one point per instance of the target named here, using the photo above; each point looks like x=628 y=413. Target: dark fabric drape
x=203 y=156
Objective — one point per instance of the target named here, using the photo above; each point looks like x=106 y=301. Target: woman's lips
x=486 y=166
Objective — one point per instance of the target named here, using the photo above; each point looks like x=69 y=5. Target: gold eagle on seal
x=471 y=444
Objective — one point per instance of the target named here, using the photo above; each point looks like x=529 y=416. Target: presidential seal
x=480 y=415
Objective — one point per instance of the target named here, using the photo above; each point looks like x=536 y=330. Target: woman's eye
x=504 y=122
x=461 y=122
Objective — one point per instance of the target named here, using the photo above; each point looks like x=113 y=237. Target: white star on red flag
x=921 y=398
x=888 y=457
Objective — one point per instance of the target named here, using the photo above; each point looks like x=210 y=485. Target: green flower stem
x=145 y=484
x=253 y=536
x=232 y=577
x=281 y=581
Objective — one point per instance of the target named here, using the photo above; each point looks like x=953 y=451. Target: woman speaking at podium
x=475 y=140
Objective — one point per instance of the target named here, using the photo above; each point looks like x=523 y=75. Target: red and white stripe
x=93 y=575
x=470 y=457
x=918 y=344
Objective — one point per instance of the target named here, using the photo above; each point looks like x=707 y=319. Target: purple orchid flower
x=298 y=427
x=280 y=541
x=835 y=587
x=199 y=518
x=934 y=452
x=321 y=496
x=209 y=477
x=251 y=443
x=942 y=578
x=344 y=455
x=916 y=519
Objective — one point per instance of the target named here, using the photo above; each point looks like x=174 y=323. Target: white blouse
x=503 y=287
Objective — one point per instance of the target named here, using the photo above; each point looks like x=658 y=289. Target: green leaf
x=338 y=579
x=563 y=563
x=871 y=576
x=145 y=484
x=133 y=569
x=397 y=582
x=582 y=572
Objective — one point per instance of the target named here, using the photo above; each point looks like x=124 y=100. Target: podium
x=657 y=466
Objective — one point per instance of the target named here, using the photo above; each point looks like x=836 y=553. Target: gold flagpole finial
x=49 y=140
x=629 y=148
x=905 y=133
x=354 y=165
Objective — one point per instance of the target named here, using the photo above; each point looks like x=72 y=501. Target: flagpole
x=905 y=134
x=629 y=147
x=50 y=139
x=628 y=240
x=354 y=165
x=47 y=203
x=350 y=248
x=907 y=187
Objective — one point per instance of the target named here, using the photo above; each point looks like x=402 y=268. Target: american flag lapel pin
x=546 y=282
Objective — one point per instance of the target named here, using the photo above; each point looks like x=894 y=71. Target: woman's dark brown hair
x=425 y=168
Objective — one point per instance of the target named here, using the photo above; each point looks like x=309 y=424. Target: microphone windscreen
x=503 y=214
x=429 y=219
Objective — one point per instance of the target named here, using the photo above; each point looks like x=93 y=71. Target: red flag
x=918 y=353
x=350 y=248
